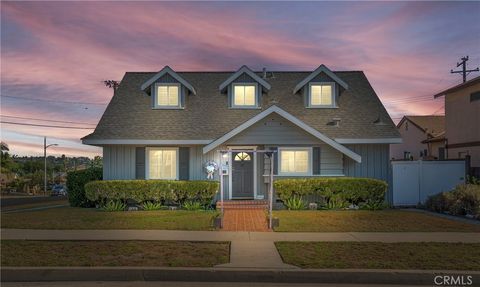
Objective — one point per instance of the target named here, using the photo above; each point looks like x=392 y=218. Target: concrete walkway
x=248 y=249
x=40 y=234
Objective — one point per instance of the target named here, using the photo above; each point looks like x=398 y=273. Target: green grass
x=376 y=255
x=114 y=253
x=88 y=218
x=368 y=221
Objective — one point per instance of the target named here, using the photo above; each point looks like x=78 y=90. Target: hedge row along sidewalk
x=335 y=192
x=161 y=191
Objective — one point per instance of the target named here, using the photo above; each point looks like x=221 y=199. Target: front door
x=242 y=175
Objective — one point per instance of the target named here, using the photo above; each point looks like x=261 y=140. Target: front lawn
x=376 y=255
x=367 y=221
x=88 y=218
x=114 y=253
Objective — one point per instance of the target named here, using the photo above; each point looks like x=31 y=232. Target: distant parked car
x=59 y=190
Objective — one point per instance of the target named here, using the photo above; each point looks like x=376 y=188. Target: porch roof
x=289 y=117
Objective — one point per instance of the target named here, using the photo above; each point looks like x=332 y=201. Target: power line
x=46 y=126
x=37 y=119
x=53 y=101
x=443 y=106
x=464 y=70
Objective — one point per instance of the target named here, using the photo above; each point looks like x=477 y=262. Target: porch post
x=270 y=195
x=221 y=185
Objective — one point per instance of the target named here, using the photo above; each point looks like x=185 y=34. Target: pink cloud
x=77 y=45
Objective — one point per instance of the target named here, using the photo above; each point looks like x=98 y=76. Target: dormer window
x=322 y=95
x=167 y=95
x=244 y=95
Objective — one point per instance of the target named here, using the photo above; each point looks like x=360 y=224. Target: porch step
x=243 y=204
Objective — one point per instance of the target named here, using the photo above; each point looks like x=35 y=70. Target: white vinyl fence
x=414 y=181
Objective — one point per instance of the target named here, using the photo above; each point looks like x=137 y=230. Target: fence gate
x=414 y=181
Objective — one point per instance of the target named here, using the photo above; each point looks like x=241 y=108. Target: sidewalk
x=248 y=249
x=40 y=234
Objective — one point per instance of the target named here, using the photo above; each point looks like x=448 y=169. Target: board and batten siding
x=375 y=163
x=273 y=130
x=118 y=162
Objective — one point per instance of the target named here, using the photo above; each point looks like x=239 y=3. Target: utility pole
x=464 y=70
x=45 y=146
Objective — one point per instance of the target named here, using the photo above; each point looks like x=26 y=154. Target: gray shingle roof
x=206 y=115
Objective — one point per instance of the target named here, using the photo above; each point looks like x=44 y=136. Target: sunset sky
x=55 y=55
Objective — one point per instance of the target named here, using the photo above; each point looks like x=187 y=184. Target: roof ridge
x=268 y=71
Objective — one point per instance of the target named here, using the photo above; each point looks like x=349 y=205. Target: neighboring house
x=167 y=125
x=422 y=138
x=462 y=129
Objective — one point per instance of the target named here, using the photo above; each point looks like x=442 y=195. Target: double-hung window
x=295 y=161
x=167 y=96
x=162 y=163
x=244 y=96
x=322 y=95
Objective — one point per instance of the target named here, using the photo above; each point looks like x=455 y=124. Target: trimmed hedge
x=76 y=181
x=349 y=190
x=161 y=191
x=463 y=200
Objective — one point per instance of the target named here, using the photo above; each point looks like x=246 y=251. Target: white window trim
x=334 y=91
x=155 y=100
x=310 y=161
x=245 y=106
x=147 y=161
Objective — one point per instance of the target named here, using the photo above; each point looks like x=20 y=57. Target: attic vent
x=334 y=122
x=267 y=75
x=379 y=122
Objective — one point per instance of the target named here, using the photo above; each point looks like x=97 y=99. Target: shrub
x=336 y=202
x=150 y=205
x=114 y=205
x=372 y=205
x=464 y=199
x=161 y=191
x=336 y=192
x=192 y=205
x=76 y=181
x=295 y=203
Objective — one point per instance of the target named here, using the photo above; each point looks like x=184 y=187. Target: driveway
x=24 y=200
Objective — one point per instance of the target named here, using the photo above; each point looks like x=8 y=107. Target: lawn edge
x=359 y=276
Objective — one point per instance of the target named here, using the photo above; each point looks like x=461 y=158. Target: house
x=168 y=125
x=423 y=138
x=462 y=124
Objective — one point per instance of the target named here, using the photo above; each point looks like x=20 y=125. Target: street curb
x=340 y=276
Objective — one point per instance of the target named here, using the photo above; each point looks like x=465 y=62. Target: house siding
x=273 y=130
x=118 y=162
x=375 y=163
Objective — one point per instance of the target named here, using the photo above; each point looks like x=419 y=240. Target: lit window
x=168 y=96
x=244 y=95
x=294 y=161
x=321 y=95
x=162 y=163
x=242 y=156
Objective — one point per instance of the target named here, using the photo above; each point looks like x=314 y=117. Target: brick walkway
x=245 y=220
x=245 y=215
